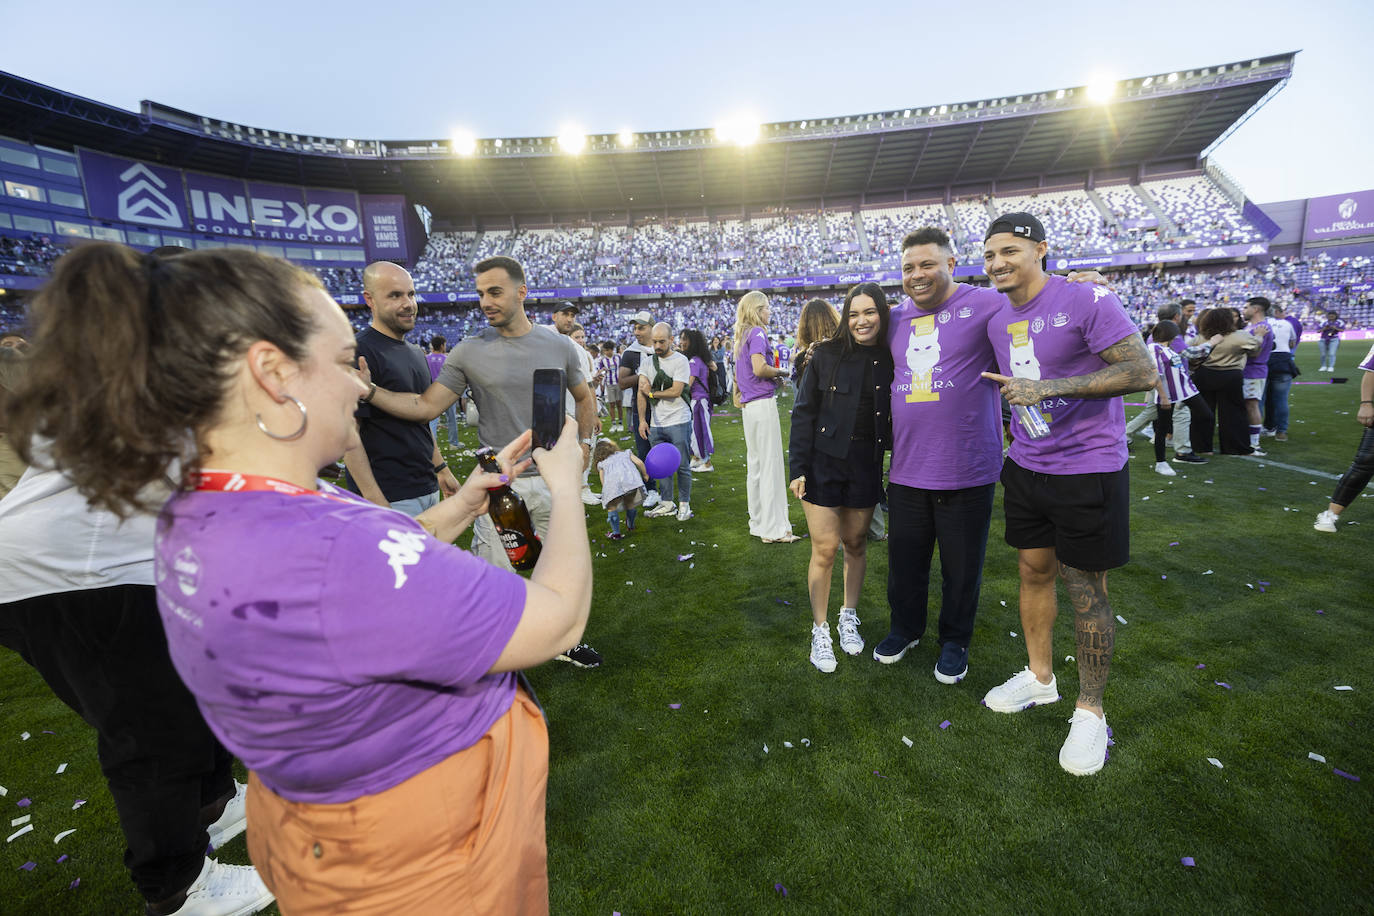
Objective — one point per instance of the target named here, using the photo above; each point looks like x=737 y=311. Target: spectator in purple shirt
x=438 y=352
x=1330 y=340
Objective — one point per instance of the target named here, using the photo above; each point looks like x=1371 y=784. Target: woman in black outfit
x=841 y=425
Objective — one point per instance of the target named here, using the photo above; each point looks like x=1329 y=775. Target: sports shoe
x=222 y=890
x=684 y=512
x=663 y=508
x=651 y=499
x=850 y=640
x=1326 y=521
x=589 y=497
x=1085 y=750
x=1162 y=467
x=583 y=656
x=705 y=468
x=892 y=648
x=1257 y=452
x=822 y=650
x=953 y=663
x=1265 y=432
x=1021 y=691
x=1190 y=458
x=234 y=819
x=1280 y=437
x=615 y=535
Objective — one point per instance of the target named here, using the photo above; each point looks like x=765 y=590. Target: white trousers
x=1183 y=418
x=767 y=473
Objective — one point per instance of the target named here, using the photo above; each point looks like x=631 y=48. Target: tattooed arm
x=1129 y=368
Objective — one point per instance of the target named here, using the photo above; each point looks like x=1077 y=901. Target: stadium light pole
x=572 y=141
x=463 y=143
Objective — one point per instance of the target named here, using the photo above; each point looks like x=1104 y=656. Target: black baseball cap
x=1021 y=224
x=567 y=307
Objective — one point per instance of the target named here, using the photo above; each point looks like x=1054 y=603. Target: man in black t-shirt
x=398 y=464
x=642 y=324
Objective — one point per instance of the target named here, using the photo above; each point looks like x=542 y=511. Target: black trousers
x=104 y=653
x=1224 y=392
x=1361 y=469
x=917 y=520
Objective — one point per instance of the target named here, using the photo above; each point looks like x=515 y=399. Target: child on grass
x=622 y=484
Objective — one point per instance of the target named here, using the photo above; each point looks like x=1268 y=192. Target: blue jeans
x=1328 y=351
x=451 y=415
x=681 y=436
x=917 y=520
x=416 y=504
x=1276 y=401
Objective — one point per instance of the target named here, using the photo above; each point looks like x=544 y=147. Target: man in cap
x=1065 y=353
x=642 y=324
x=565 y=322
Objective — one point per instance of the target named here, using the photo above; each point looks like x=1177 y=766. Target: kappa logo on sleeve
x=1100 y=291
x=402 y=549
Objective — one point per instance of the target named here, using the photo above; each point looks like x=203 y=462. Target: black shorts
x=1084 y=517
x=853 y=482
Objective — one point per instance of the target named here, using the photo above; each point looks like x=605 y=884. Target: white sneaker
x=589 y=497
x=850 y=640
x=1162 y=467
x=225 y=890
x=1258 y=452
x=234 y=819
x=1021 y=691
x=664 y=508
x=1326 y=521
x=684 y=512
x=652 y=499
x=1085 y=750
x=822 y=650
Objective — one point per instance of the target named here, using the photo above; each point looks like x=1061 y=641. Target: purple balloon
x=662 y=461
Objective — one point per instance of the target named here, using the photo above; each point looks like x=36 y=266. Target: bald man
x=398 y=463
x=665 y=415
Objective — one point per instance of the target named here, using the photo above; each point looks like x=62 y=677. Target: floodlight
x=463 y=143
x=741 y=130
x=1149 y=81
x=1101 y=89
x=572 y=141
x=627 y=137
x=1173 y=77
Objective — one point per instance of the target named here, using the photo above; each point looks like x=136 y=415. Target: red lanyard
x=234 y=482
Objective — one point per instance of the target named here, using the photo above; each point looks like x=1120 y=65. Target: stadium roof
x=1046 y=137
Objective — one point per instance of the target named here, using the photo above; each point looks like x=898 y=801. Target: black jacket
x=828 y=401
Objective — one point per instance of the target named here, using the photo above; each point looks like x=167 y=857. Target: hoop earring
x=300 y=431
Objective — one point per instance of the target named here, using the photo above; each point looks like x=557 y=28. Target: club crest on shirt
x=945 y=317
x=1037 y=325
x=186 y=565
x=1059 y=319
x=402 y=549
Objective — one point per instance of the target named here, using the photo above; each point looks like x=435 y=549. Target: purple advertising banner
x=384 y=227
x=278 y=212
x=1339 y=216
x=218 y=205
x=332 y=217
x=130 y=191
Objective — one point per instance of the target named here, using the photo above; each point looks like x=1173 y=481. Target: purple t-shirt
x=336 y=649
x=1297 y=330
x=699 y=371
x=751 y=387
x=1059 y=334
x=1368 y=364
x=946 y=420
x=436 y=364
x=1257 y=361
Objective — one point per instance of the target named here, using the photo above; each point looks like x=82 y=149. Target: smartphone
x=550 y=391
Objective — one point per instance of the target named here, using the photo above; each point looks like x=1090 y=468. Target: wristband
x=1367 y=402
x=367 y=398
x=440 y=466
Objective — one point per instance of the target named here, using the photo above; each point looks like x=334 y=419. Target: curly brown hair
x=133 y=355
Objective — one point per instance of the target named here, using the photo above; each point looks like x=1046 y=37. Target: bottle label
x=515 y=544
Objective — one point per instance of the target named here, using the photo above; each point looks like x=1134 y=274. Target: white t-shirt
x=669 y=411
x=1283 y=335
x=588 y=370
x=52 y=542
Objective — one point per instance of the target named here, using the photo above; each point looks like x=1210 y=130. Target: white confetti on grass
x=62 y=768
x=21 y=820
x=4 y=791
x=18 y=833
x=23 y=736
x=1312 y=755
x=1121 y=620
x=1343 y=687
x=1207 y=573
x=787 y=744
x=907 y=741
x=1215 y=762
x=63 y=835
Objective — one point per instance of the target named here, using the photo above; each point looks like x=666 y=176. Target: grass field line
x=1269 y=462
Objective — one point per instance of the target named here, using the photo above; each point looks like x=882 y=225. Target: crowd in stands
x=28 y=257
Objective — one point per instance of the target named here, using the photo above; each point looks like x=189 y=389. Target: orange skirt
x=464 y=836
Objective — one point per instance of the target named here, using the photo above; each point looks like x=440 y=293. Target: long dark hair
x=843 y=337
x=133 y=355
x=1216 y=321
x=696 y=346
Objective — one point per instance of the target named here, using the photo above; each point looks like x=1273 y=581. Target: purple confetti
x=23 y=803
x=1261 y=589
x=1262 y=582
x=1173 y=543
x=780 y=889
x=1162 y=576
x=1222 y=684
x=879 y=775
x=780 y=601
x=1199 y=665
x=28 y=866
x=684 y=557
x=49 y=733
x=674 y=705
x=1346 y=775
x=648 y=591
x=1321 y=612
x=944 y=724
x=62 y=858
x=74 y=884
x=1110 y=733
x=1188 y=861
x=78 y=803
x=1264 y=489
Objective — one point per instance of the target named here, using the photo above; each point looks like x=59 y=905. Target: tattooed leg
x=1038 y=568
x=1095 y=629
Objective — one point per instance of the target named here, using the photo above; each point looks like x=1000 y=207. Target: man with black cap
x=564 y=321
x=1065 y=353
x=642 y=323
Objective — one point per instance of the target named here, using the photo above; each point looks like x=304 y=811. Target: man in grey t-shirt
x=498 y=366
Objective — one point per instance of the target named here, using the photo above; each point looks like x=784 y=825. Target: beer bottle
x=511 y=517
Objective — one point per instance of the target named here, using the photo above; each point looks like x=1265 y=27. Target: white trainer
x=225 y=890
x=1326 y=521
x=1162 y=467
x=234 y=819
x=1085 y=750
x=850 y=640
x=664 y=508
x=684 y=512
x=822 y=649
x=1021 y=691
x=652 y=499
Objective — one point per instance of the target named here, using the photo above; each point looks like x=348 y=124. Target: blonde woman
x=756 y=380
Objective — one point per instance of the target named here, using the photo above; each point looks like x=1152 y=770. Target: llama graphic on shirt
x=1023 y=361
x=922 y=357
